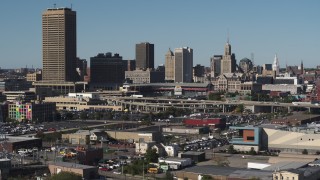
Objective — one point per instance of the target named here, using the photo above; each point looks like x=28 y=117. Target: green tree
x=305 y=151
x=206 y=177
x=109 y=115
x=151 y=155
x=125 y=117
x=231 y=149
x=97 y=115
x=83 y=115
x=51 y=137
x=40 y=135
x=69 y=115
x=66 y=176
x=137 y=167
x=169 y=176
x=12 y=121
x=215 y=96
x=239 y=108
x=57 y=117
x=252 y=151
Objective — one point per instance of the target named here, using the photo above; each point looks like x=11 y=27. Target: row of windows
x=68 y=103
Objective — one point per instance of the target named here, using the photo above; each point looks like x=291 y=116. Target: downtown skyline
x=265 y=28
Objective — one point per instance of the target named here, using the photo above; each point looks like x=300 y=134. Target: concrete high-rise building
x=183 y=59
x=144 y=56
x=215 y=65
x=59 y=45
x=267 y=70
x=301 y=68
x=228 y=62
x=169 y=66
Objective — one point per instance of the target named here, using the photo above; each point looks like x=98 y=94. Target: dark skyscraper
x=107 y=71
x=144 y=56
x=59 y=45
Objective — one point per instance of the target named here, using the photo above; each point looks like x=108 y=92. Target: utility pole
x=143 y=170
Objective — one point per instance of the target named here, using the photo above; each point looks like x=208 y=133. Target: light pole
x=143 y=170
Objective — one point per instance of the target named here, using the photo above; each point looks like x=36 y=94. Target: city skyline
x=285 y=28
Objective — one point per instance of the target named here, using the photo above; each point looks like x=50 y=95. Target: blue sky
x=289 y=28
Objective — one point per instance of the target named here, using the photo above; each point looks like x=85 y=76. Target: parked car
x=103 y=169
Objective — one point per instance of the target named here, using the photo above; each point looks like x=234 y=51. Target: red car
x=103 y=169
x=52 y=129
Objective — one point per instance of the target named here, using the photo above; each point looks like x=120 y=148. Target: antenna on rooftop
x=228 y=39
x=252 y=58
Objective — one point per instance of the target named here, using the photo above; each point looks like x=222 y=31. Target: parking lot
x=204 y=144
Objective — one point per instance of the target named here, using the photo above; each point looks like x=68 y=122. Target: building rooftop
x=174 y=159
x=231 y=172
x=183 y=127
x=210 y=169
x=309 y=171
x=298 y=117
x=244 y=174
x=12 y=139
x=4 y=159
x=285 y=165
x=56 y=9
x=193 y=153
x=273 y=126
x=315 y=163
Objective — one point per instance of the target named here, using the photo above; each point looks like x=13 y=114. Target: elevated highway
x=151 y=104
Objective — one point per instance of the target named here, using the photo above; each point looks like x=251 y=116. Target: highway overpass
x=151 y=104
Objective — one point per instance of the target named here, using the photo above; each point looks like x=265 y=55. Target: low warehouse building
x=87 y=172
x=80 y=137
x=185 y=130
x=13 y=143
x=133 y=136
x=194 y=156
x=176 y=163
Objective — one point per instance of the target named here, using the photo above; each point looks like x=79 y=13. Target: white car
x=22 y=151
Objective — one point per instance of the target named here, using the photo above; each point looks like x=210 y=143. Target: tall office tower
x=169 y=66
x=215 y=65
x=183 y=59
x=301 y=68
x=144 y=56
x=59 y=45
x=107 y=71
x=275 y=65
x=228 y=62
